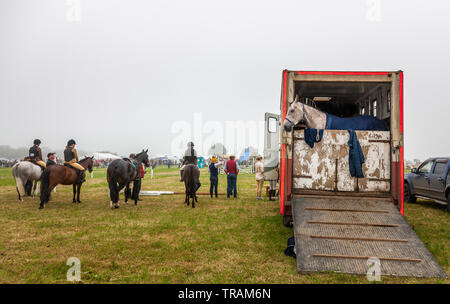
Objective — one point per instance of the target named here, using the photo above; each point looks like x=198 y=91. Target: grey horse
x=24 y=174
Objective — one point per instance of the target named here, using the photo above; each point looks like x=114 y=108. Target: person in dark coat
x=51 y=159
x=213 y=176
x=35 y=154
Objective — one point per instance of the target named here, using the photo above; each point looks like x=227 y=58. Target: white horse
x=26 y=172
x=316 y=119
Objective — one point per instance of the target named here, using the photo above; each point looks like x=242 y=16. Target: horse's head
x=87 y=163
x=295 y=114
x=143 y=157
x=90 y=163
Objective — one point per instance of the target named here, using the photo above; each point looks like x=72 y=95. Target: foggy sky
x=122 y=75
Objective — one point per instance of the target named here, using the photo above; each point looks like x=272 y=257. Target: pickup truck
x=431 y=180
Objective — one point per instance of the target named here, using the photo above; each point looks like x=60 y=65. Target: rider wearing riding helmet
x=35 y=154
x=71 y=158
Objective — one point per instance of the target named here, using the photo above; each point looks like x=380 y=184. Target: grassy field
x=162 y=241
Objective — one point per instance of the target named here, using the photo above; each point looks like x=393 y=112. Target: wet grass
x=162 y=241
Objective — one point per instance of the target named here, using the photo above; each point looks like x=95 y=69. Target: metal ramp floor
x=341 y=233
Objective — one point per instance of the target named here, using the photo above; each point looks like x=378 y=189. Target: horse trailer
x=341 y=221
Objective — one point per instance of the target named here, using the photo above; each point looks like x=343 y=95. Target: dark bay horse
x=64 y=175
x=191 y=176
x=119 y=175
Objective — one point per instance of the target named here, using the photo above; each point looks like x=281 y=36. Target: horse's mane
x=84 y=159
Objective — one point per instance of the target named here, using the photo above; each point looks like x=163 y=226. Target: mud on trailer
x=340 y=221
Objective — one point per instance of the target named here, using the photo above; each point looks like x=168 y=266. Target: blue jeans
x=231 y=184
x=214 y=179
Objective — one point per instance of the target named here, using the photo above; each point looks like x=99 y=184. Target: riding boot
x=270 y=195
x=81 y=179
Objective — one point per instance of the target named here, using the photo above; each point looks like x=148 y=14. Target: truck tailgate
x=340 y=233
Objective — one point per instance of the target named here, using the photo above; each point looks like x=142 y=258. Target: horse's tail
x=19 y=184
x=45 y=184
x=113 y=185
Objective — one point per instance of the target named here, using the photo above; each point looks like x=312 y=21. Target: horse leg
x=193 y=201
x=78 y=192
x=35 y=188
x=126 y=192
x=74 y=192
x=121 y=186
x=135 y=193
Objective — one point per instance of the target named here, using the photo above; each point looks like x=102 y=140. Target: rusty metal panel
x=326 y=167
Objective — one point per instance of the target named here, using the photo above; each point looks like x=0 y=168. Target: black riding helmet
x=37 y=142
x=71 y=142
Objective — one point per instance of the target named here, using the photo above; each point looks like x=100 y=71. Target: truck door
x=438 y=180
x=421 y=180
x=271 y=146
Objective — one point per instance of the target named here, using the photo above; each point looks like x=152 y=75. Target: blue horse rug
x=364 y=122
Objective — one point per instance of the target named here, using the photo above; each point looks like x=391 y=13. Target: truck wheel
x=287 y=220
x=407 y=196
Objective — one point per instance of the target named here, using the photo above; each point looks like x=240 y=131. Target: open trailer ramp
x=340 y=233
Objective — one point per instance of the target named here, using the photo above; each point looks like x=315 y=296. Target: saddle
x=69 y=166
x=33 y=162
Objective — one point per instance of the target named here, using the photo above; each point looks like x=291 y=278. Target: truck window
x=439 y=169
x=272 y=125
x=426 y=167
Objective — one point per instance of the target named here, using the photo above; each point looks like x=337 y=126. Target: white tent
x=102 y=156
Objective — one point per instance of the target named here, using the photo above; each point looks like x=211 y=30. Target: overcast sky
x=119 y=75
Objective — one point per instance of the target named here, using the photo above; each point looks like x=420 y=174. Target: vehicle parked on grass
x=431 y=180
x=340 y=218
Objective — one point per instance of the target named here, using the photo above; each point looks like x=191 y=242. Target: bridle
x=303 y=118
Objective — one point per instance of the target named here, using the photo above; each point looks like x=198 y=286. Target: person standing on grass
x=50 y=159
x=213 y=176
x=259 y=176
x=232 y=170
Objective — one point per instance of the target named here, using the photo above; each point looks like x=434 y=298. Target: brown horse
x=64 y=175
x=191 y=176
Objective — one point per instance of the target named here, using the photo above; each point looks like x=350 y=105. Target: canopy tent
x=247 y=153
x=103 y=156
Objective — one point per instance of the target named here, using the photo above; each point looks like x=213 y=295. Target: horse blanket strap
x=312 y=136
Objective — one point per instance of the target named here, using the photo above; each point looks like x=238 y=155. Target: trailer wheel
x=287 y=220
x=407 y=196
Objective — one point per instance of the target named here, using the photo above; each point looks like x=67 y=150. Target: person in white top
x=259 y=175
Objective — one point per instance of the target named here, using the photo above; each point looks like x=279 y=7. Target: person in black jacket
x=35 y=154
x=51 y=159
